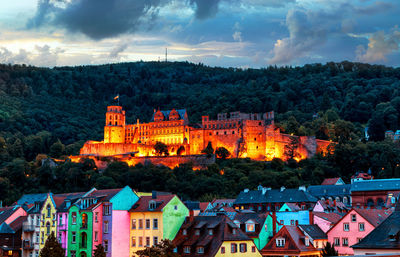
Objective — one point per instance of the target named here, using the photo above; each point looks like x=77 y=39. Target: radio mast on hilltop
x=166 y=55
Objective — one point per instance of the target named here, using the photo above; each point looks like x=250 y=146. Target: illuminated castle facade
x=242 y=134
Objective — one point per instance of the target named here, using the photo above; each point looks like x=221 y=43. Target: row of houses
x=261 y=222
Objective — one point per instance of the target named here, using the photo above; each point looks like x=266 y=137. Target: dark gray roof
x=314 y=231
x=379 y=237
x=32 y=198
x=275 y=196
x=376 y=185
x=329 y=190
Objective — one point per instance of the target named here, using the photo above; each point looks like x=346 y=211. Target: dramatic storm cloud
x=239 y=33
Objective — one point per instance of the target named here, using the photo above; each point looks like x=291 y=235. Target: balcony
x=27 y=245
x=27 y=227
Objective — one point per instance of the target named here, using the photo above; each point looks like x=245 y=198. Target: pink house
x=353 y=227
x=326 y=220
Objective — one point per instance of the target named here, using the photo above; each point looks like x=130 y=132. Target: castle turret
x=114 y=130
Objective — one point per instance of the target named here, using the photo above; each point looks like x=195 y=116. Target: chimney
x=311 y=217
x=191 y=215
x=273 y=223
x=302 y=188
x=246 y=190
x=154 y=194
x=283 y=188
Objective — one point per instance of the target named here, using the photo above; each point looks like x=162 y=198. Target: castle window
x=216 y=133
x=255 y=139
x=224 y=132
x=233 y=132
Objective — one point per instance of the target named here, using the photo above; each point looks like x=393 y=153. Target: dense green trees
x=51 y=112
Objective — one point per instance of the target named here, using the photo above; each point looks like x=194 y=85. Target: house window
x=186 y=249
x=48 y=228
x=147 y=241
x=42 y=238
x=73 y=237
x=175 y=207
x=200 y=250
x=253 y=249
x=361 y=226
x=233 y=248
x=155 y=223
x=147 y=224
x=353 y=218
x=60 y=220
x=73 y=253
x=280 y=242
x=346 y=226
x=74 y=218
x=96 y=217
x=106 y=210
x=222 y=249
x=210 y=232
x=133 y=224
x=106 y=226
x=345 y=241
x=140 y=241
x=359 y=239
x=243 y=247
x=155 y=240
x=48 y=211
x=96 y=236
x=59 y=237
x=133 y=241
x=37 y=237
x=197 y=232
x=292 y=222
x=140 y=224
x=184 y=232
x=105 y=245
x=337 y=241
x=250 y=227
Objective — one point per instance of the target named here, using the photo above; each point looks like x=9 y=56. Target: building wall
x=360 y=198
x=76 y=227
x=266 y=233
x=62 y=229
x=97 y=225
x=376 y=251
x=143 y=233
x=174 y=214
x=353 y=234
x=47 y=218
x=293 y=217
x=228 y=253
x=33 y=237
x=109 y=235
x=120 y=234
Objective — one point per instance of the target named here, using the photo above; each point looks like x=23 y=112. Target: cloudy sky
x=237 y=33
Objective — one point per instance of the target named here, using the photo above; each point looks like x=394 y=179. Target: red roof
x=330 y=181
x=143 y=204
x=203 y=206
x=330 y=216
x=294 y=242
x=374 y=216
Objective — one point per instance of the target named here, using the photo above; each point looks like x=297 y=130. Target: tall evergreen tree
x=52 y=248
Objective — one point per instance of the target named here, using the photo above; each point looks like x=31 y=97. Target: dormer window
x=250 y=226
x=210 y=232
x=197 y=232
x=184 y=232
x=152 y=205
x=280 y=242
x=234 y=231
x=307 y=241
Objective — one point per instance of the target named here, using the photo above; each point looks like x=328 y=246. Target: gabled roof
x=143 y=204
x=223 y=201
x=222 y=228
x=374 y=216
x=291 y=206
x=379 y=238
x=330 y=190
x=251 y=196
x=257 y=218
x=17 y=223
x=166 y=113
x=376 y=185
x=61 y=200
x=6 y=229
x=6 y=212
x=331 y=181
x=294 y=242
x=331 y=216
x=314 y=231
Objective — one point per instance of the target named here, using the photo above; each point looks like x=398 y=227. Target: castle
x=251 y=135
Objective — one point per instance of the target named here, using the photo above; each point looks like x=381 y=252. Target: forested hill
x=53 y=111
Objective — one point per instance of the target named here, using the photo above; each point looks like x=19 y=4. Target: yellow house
x=211 y=236
x=48 y=217
x=154 y=218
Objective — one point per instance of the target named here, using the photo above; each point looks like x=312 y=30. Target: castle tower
x=114 y=130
